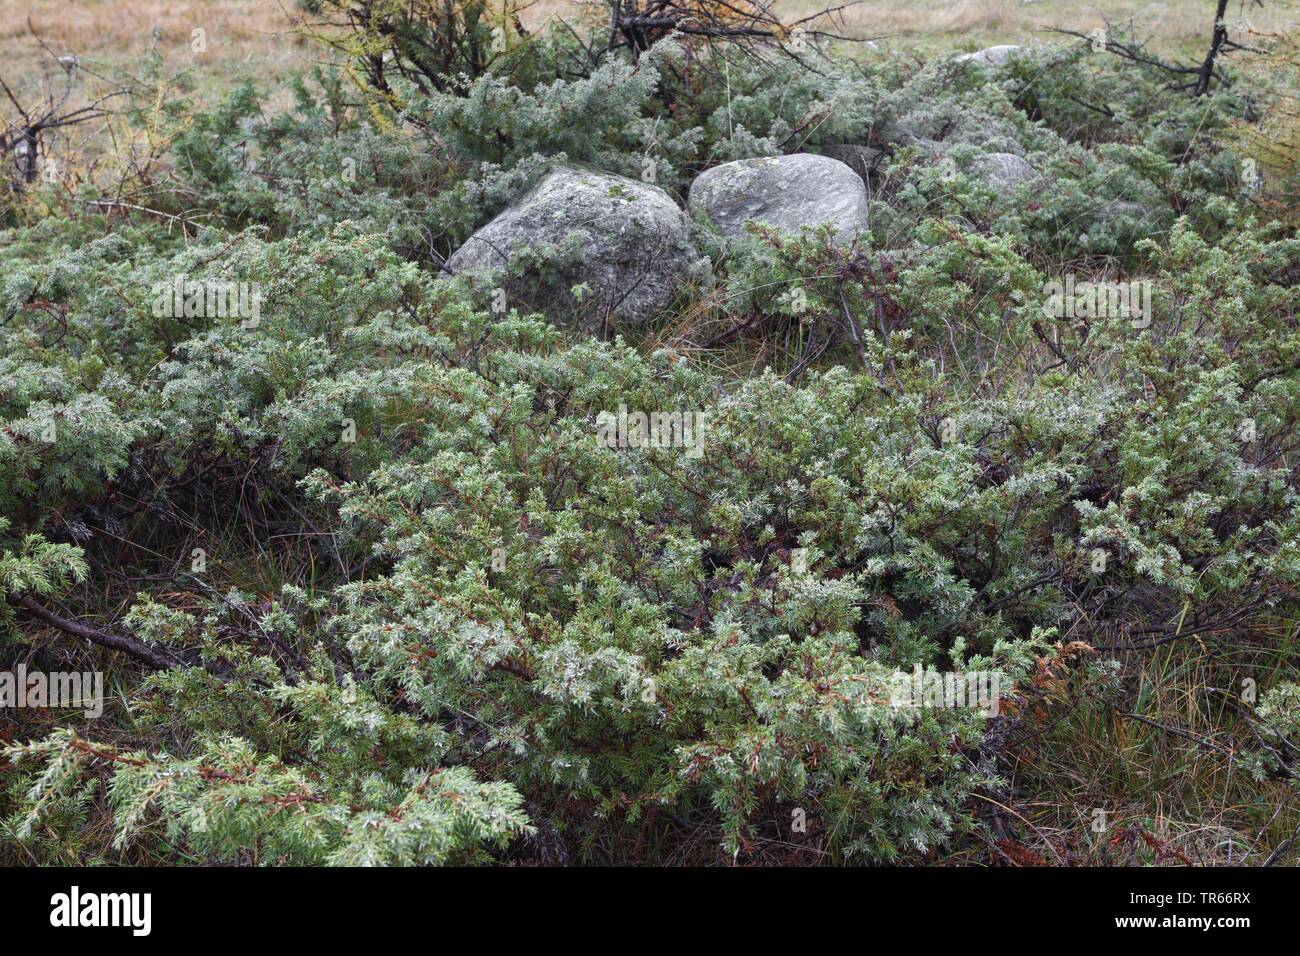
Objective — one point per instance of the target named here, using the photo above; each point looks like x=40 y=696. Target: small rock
x=787 y=192
x=1003 y=170
x=990 y=56
x=927 y=146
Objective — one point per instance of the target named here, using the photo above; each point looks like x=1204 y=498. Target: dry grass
x=1161 y=798
x=256 y=38
x=1175 y=25
x=244 y=38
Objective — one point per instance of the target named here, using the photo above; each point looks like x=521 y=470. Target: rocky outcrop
x=627 y=241
x=786 y=192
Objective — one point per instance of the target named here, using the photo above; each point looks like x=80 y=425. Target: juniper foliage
x=435 y=621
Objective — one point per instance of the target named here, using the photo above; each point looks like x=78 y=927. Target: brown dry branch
x=21 y=139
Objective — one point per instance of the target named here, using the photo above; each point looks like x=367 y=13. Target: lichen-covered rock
x=1003 y=170
x=787 y=192
x=990 y=56
x=627 y=241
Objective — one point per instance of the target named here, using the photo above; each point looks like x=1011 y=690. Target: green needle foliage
x=418 y=614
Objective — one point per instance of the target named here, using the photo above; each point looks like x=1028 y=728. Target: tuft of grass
x=1145 y=775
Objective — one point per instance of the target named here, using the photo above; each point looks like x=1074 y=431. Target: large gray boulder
x=1003 y=170
x=787 y=192
x=626 y=240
